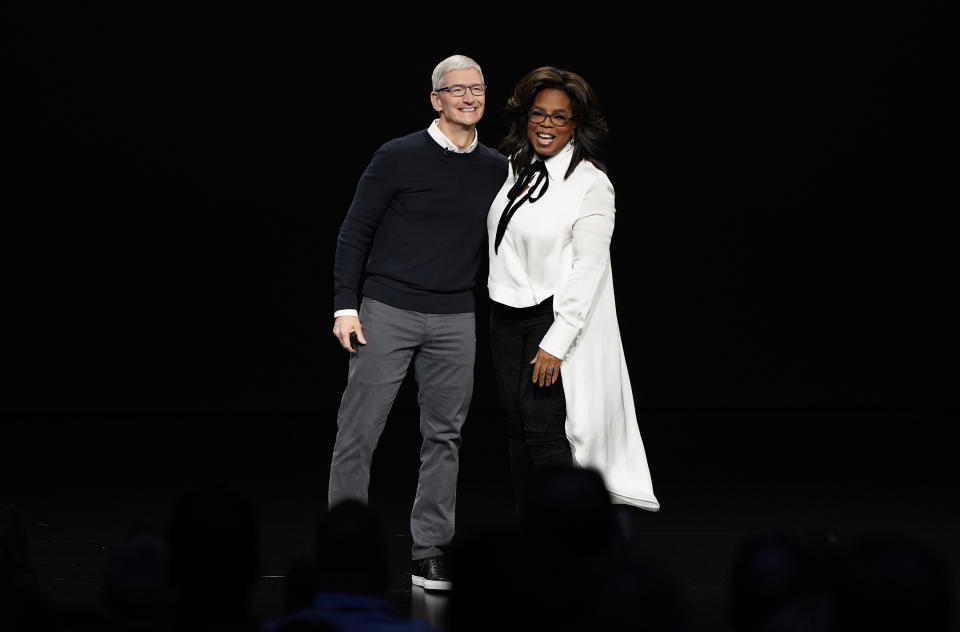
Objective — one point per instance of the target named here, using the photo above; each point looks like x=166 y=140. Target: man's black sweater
x=418 y=225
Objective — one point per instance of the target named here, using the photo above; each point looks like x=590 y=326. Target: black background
x=785 y=189
x=784 y=261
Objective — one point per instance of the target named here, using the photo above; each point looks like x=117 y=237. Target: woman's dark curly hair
x=591 y=127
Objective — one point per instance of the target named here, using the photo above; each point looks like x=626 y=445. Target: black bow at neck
x=524 y=183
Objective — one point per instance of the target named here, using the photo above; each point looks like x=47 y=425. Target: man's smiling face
x=466 y=110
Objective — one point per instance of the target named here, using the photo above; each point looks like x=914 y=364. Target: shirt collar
x=434 y=130
x=558 y=164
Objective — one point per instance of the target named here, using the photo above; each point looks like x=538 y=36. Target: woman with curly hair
x=555 y=340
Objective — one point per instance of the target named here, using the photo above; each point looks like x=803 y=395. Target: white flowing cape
x=601 y=418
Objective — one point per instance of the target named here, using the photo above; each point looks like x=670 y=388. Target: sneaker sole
x=430 y=584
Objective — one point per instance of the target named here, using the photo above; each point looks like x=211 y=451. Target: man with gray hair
x=417 y=228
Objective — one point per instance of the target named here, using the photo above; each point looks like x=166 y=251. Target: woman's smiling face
x=546 y=137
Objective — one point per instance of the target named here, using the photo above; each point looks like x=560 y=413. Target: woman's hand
x=546 y=368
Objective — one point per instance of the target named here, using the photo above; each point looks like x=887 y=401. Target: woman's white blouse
x=558 y=246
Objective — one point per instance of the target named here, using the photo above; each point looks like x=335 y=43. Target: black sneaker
x=431 y=573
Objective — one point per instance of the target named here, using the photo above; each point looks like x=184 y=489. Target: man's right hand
x=343 y=326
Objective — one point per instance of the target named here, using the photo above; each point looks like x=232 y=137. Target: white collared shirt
x=434 y=130
x=557 y=246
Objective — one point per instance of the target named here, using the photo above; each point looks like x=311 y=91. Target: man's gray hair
x=454 y=62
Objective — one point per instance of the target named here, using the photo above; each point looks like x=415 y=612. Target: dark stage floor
x=81 y=482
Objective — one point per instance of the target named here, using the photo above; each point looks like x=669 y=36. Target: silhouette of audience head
x=491 y=569
x=13 y=544
x=811 y=613
x=305 y=626
x=351 y=553
x=889 y=583
x=569 y=569
x=21 y=604
x=626 y=590
x=135 y=591
x=769 y=573
x=568 y=508
x=300 y=584
x=214 y=558
x=872 y=583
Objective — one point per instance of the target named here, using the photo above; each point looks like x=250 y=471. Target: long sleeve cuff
x=346 y=312
x=560 y=338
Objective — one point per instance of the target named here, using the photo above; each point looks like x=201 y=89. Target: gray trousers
x=442 y=348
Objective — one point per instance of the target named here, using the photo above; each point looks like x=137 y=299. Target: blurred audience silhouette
x=351 y=577
x=300 y=584
x=569 y=567
x=136 y=594
x=21 y=604
x=572 y=563
x=214 y=543
x=888 y=583
x=770 y=573
x=817 y=582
